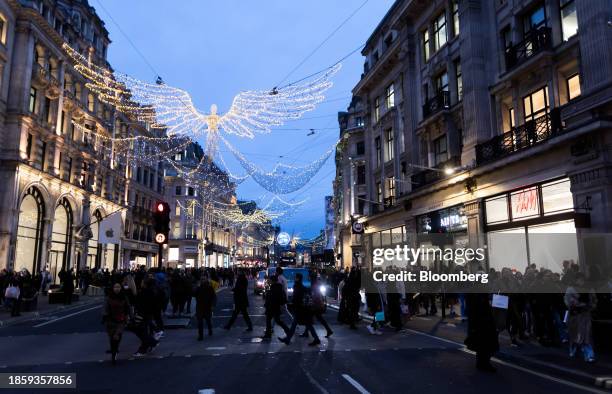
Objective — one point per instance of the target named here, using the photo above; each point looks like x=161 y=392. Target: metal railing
x=534 y=42
x=437 y=103
x=522 y=137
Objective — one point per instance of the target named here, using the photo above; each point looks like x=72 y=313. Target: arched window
x=61 y=239
x=90 y=102
x=30 y=231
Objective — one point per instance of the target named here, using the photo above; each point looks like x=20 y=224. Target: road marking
x=206 y=391
x=67 y=316
x=314 y=382
x=355 y=384
x=216 y=348
x=510 y=365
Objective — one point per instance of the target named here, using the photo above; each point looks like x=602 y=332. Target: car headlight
x=323 y=289
x=260 y=282
x=290 y=290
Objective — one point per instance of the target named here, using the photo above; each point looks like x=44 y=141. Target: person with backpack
x=276 y=299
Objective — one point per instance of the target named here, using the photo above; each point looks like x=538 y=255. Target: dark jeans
x=143 y=333
x=245 y=314
x=200 y=320
x=159 y=321
x=309 y=328
x=321 y=319
x=277 y=319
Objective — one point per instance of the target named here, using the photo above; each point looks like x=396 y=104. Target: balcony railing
x=437 y=103
x=522 y=137
x=534 y=42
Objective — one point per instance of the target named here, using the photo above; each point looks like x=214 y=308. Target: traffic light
x=161 y=222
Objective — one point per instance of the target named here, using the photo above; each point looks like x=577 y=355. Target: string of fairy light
x=178 y=124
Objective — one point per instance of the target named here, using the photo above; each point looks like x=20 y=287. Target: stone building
x=56 y=172
x=197 y=236
x=486 y=121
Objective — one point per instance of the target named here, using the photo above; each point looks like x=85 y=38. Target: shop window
x=379 y=192
x=569 y=20
x=440 y=150
x=497 y=210
x=361 y=205
x=535 y=104
x=389 y=151
x=173 y=254
x=440 y=31
x=557 y=197
x=525 y=203
x=390 y=97
x=177 y=190
x=573 y=86
x=425 y=44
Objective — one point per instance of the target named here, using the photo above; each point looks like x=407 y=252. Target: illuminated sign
x=160 y=238
x=283 y=239
x=525 y=203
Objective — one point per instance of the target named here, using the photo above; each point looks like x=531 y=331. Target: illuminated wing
x=259 y=111
x=161 y=105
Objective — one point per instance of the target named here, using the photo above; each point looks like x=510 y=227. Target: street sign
x=357 y=227
x=160 y=238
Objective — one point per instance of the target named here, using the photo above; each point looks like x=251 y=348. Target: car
x=260 y=282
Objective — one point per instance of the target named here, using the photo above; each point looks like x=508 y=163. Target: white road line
x=67 y=316
x=314 y=382
x=206 y=391
x=355 y=384
x=216 y=348
x=517 y=367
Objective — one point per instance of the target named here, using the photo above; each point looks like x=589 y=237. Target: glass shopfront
x=532 y=225
x=445 y=228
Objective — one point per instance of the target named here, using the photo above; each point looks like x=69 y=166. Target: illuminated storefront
x=533 y=225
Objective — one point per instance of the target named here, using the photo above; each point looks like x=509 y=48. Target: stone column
x=475 y=228
x=84 y=242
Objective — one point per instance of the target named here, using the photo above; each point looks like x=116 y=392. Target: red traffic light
x=160 y=207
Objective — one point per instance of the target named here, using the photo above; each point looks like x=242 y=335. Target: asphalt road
x=240 y=362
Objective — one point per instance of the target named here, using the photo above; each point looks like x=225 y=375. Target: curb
x=35 y=314
x=527 y=362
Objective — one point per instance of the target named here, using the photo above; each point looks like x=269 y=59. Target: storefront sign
x=525 y=203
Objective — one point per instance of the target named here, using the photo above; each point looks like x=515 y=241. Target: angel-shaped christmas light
x=171 y=108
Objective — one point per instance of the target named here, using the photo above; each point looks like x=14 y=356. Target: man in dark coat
x=275 y=299
x=241 y=302
x=482 y=330
x=206 y=299
x=303 y=314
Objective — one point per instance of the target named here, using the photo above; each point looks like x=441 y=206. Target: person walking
x=206 y=299
x=482 y=331
x=580 y=303
x=303 y=314
x=319 y=307
x=241 y=302
x=145 y=307
x=115 y=317
x=68 y=287
x=275 y=301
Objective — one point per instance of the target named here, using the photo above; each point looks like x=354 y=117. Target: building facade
x=486 y=121
x=59 y=176
x=199 y=237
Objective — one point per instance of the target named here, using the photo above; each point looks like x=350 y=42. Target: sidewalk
x=44 y=308
x=532 y=355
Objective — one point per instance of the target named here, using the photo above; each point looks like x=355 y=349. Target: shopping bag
x=405 y=309
x=379 y=316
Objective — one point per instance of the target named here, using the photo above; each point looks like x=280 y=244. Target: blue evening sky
x=215 y=49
